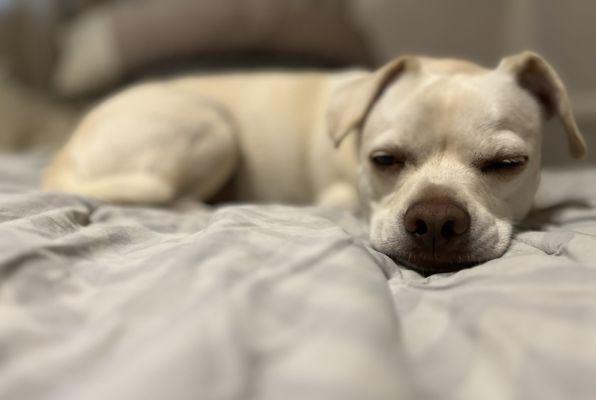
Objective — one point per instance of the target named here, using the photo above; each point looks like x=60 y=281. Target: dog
x=442 y=156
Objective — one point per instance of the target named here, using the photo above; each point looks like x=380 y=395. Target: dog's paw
x=340 y=195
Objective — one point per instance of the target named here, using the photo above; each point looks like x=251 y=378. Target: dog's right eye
x=385 y=160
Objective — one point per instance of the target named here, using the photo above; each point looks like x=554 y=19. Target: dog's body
x=189 y=135
x=446 y=159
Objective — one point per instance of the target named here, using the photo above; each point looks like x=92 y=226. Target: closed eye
x=503 y=165
x=386 y=160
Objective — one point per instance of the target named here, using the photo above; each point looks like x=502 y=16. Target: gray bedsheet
x=277 y=302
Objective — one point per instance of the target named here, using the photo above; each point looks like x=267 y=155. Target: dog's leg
x=340 y=195
x=152 y=145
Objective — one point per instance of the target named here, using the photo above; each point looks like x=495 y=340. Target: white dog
x=443 y=155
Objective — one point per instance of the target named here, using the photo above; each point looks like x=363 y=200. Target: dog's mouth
x=428 y=265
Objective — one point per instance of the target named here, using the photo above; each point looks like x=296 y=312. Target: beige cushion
x=107 y=43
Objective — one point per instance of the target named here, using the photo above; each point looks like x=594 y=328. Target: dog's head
x=450 y=152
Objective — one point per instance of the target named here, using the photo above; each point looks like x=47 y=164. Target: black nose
x=435 y=224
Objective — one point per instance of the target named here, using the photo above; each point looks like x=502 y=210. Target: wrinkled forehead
x=460 y=111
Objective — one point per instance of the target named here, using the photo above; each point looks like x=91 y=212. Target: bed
x=276 y=302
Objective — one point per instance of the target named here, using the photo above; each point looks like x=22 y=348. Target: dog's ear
x=534 y=74
x=350 y=104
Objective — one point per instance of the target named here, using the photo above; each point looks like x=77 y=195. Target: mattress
x=276 y=302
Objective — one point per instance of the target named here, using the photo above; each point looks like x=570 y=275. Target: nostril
x=448 y=229
x=420 y=227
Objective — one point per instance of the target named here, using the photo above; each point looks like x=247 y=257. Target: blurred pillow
x=107 y=43
x=28 y=30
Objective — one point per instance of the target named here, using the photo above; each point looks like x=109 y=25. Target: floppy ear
x=350 y=104
x=534 y=74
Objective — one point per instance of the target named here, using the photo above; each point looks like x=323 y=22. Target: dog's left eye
x=503 y=165
x=385 y=160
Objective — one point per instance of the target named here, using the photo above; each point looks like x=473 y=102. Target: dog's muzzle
x=438 y=232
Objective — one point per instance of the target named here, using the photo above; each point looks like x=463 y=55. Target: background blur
x=59 y=56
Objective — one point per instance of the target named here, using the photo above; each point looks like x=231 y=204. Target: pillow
x=110 y=41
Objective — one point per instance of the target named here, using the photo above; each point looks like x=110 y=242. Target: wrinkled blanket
x=276 y=302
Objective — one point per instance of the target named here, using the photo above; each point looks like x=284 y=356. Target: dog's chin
x=426 y=265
